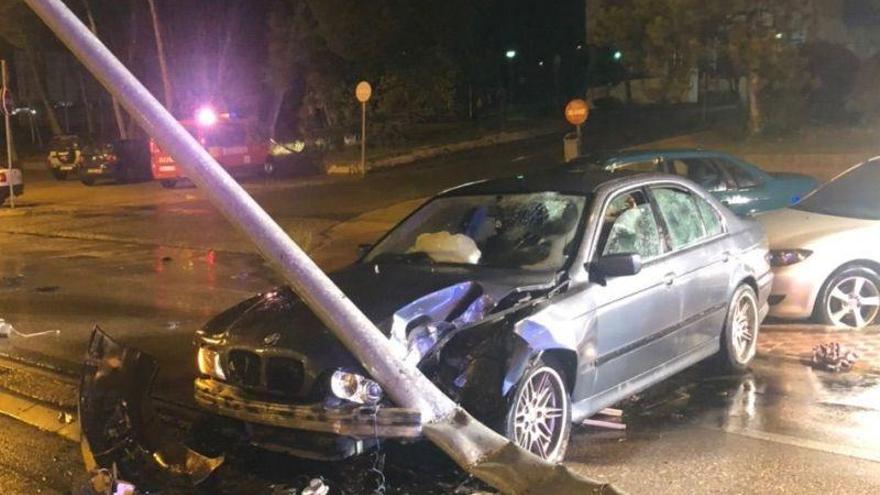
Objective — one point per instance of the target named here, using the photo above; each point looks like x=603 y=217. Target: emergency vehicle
x=234 y=143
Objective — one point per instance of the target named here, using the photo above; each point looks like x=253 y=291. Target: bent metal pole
x=474 y=446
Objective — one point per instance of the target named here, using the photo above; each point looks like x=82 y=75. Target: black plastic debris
x=833 y=357
x=120 y=428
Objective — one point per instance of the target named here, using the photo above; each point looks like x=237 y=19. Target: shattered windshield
x=852 y=195
x=535 y=232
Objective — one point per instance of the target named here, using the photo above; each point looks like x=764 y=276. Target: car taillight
x=110 y=157
x=2 y=176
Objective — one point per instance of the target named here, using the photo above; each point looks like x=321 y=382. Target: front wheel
x=850 y=299
x=86 y=180
x=59 y=174
x=739 y=339
x=269 y=169
x=539 y=417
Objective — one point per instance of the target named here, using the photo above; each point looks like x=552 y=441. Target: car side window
x=703 y=172
x=629 y=227
x=744 y=178
x=681 y=215
x=711 y=218
x=642 y=166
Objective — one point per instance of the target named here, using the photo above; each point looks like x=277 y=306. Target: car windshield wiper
x=413 y=257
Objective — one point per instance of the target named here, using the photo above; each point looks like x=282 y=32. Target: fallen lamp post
x=475 y=447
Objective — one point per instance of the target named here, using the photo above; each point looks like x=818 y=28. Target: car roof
x=644 y=154
x=571 y=180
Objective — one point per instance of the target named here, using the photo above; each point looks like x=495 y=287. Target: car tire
x=739 y=338
x=59 y=174
x=269 y=169
x=88 y=181
x=168 y=183
x=850 y=298
x=540 y=391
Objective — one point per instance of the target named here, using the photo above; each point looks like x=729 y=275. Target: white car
x=826 y=252
x=7 y=176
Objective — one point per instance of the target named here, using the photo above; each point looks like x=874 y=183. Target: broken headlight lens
x=787 y=257
x=355 y=388
x=209 y=363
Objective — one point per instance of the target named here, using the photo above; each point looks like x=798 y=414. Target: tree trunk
x=275 y=112
x=160 y=52
x=756 y=115
x=51 y=116
x=87 y=107
x=117 y=110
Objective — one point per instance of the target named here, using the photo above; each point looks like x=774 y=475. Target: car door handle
x=725 y=256
x=669 y=279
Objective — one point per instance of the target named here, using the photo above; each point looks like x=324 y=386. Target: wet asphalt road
x=149 y=265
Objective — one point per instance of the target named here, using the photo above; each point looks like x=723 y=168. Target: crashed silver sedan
x=534 y=301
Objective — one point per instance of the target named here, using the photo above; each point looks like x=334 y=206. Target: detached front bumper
x=355 y=421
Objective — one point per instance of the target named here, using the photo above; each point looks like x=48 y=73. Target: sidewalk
x=796 y=343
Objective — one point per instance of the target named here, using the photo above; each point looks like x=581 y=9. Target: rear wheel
x=89 y=181
x=850 y=299
x=539 y=415
x=59 y=174
x=739 y=339
x=168 y=183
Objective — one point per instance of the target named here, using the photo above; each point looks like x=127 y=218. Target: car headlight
x=209 y=363
x=787 y=257
x=355 y=388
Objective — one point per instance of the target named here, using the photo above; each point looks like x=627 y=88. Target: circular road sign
x=363 y=91
x=6 y=104
x=577 y=111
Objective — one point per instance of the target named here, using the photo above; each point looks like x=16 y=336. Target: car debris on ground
x=833 y=357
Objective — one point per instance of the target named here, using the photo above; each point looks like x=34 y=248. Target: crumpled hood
x=378 y=290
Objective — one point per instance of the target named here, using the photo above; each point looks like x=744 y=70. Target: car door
x=699 y=261
x=750 y=192
x=630 y=311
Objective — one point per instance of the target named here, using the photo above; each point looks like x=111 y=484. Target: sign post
x=6 y=104
x=363 y=92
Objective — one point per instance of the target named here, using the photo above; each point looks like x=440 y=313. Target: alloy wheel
x=540 y=414
x=854 y=302
x=744 y=327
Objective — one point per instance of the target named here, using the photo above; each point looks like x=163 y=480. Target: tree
x=760 y=40
x=669 y=38
x=660 y=38
x=20 y=28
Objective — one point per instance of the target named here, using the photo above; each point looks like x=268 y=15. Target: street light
x=618 y=56
x=511 y=54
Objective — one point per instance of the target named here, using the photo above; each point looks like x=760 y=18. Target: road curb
x=343 y=167
x=45 y=417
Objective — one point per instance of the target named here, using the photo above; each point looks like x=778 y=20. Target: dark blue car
x=739 y=185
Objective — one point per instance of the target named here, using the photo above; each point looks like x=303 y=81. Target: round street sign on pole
x=577 y=112
x=363 y=91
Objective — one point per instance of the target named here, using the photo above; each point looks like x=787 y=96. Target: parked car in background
x=8 y=176
x=65 y=156
x=739 y=185
x=534 y=302
x=121 y=161
x=826 y=252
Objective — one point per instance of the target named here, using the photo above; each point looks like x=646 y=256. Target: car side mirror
x=618 y=265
